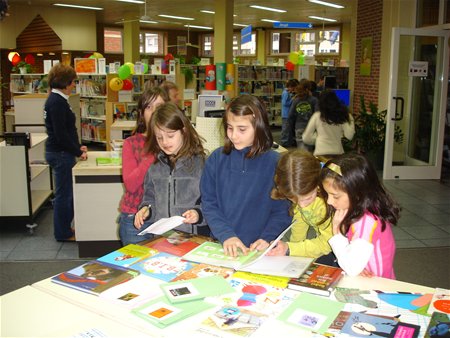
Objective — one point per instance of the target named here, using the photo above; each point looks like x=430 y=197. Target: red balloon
x=290 y=65
x=29 y=58
x=127 y=85
x=15 y=60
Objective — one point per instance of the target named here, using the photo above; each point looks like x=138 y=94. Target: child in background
x=363 y=213
x=135 y=163
x=237 y=181
x=172 y=91
x=286 y=100
x=297 y=179
x=171 y=185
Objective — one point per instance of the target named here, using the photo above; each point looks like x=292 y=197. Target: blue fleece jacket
x=236 y=196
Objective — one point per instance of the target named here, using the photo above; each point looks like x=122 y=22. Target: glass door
x=417 y=106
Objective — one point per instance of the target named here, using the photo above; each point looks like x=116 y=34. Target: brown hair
x=303 y=89
x=248 y=105
x=169 y=116
x=148 y=96
x=61 y=76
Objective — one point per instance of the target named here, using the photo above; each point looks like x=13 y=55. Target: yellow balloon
x=97 y=55
x=115 y=84
x=131 y=66
x=293 y=57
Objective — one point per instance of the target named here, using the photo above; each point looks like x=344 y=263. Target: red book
x=176 y=243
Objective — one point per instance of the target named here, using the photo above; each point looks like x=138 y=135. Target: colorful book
x=108 y=161
x=128 y=255
x=204 y=270
x=363 y=325
x=279 y=282
x=405 y=330
x=95 y=277
x=440 y=301
x=194 y=289
x=439 y=326
x=176 y=242
x=318 y=279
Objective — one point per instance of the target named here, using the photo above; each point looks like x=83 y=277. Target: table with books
x=167 y=287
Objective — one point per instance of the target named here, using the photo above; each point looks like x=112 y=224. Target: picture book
x=176 y=243
x=440 y=301
x=162 y=266
x=284 y=266
x=162 y=313
x=134 y=292
x=439 y=326
x=361 y=325
x=204 y=270
x=108 y=161
x=318 y=279
x=193 y=289
x=128 y=255
x=311 y=312
x=280 y=282
x=163 y=225
x=95 y=277
x=405 y=330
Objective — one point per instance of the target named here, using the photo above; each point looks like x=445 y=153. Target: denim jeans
x=128 y=233
x=62 y=164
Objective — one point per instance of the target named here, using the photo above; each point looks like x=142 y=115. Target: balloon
x=91 y=56
x=29 y=58
x=293 y=57
x=131 y=66
x=124 y=72
x=116 y=84
x=15 y=60
x=301 y=59
x=145 y=68
x=11 y=55
x=290 y=65
x=97 y=55
x=127 y=85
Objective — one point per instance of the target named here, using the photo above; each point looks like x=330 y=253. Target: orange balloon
x=15 y=60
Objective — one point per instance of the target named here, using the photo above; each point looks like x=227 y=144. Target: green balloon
x=124 y=72
x=145 y=68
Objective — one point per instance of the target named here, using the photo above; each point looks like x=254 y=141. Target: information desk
x=97 y=192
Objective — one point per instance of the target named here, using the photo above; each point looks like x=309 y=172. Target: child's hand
x=259 y=245
x=231 y=246
x=279 y=250
x=141 y=216
x=366 y=273
x=338 y=217
x=191 y=216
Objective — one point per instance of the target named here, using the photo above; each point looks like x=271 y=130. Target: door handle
x=398 y=115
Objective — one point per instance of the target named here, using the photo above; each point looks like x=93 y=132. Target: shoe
x=70 y=239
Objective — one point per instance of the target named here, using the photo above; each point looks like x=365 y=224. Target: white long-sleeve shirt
x=327 y=137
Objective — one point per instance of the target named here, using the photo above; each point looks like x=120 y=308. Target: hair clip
x=334 y=167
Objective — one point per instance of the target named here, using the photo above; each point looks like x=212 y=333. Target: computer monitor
x=215 y=113
x=330 y=82
x=343 y=95
x=209 y=102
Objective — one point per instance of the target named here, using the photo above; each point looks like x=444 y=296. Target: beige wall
x=76 y=28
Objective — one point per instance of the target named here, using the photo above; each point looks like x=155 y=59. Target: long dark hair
x=353 y=174
x=332 y=110
x=148 y=97
x=248 y=105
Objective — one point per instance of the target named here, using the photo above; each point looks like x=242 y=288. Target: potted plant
x=370 y=133
x=22 y=67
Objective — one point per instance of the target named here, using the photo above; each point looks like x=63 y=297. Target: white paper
x=163 y=225
x=285 y=266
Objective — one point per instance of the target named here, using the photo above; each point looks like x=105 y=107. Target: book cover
x=362 y=325
x=128 y=255
x=405 y=330
x=204 y=270
x=108 y=161
x=279 y=282
x=95 y=277
x=176 y=242
x=193 y=289
x=162 y=266
x=311 y=312
x=318 y=279
x=440 y=301
x=439 y=326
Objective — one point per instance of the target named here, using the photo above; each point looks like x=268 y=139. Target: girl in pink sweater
x=363 y=213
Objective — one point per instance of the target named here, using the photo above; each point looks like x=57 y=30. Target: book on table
x=176 y=242
x=317 y=279
x=95 y=276
x=128 y=255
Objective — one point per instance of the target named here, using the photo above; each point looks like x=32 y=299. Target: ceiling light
x=40 y=54
x=201 y=27
x=324 y=3
x=239 y=24
x=133 y=1
x=175 y=17
x=321 y=18
x=268 y=9
x=268 y=20
x=207 y=12
x=147 y=21
x=77 y=6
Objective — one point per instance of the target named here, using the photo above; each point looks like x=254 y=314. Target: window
x=281 y=43
x=113 y=40
x=306 y=42
x=207 y=45
x=248 y=48
x=329 y=42
x=151 y=43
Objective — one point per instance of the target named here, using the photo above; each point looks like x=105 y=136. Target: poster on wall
x=366 y=56
x=181 y=45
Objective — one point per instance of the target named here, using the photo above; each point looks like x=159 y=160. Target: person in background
x=135 y=163
x=326 y=127
x=62 y=147
x=171 y=185
x=302 y=107
x=297 y=180
x=172 y=91
x=363 y=213
x=237 y=181
x=286 y=100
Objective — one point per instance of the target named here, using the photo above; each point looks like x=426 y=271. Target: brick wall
x=370 y=15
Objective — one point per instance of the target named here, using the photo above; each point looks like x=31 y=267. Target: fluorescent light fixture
x=324 y=3
x=321 y=18
x=175 y=17
x=207 y=12
x=133 y=1
x=51 y=53
x=65 y=53
x=40 y=54
x=200 y=27
x=147 y=21
x=268 y=20
x=268 y=9
x=240 y=25
x=81 y=7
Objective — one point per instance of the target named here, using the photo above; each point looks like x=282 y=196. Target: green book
x=108 y=161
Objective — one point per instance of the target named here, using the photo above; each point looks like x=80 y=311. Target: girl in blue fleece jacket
x=237 y=180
